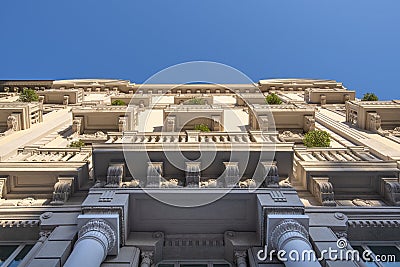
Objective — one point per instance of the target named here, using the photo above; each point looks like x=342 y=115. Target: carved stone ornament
x=12 y=123
x=322 y=189
x=271 y=174
x=26 y=201
x=121 y=124
x=62 y=192
x=193 y=174
x=362 y=202
x=392 y=193
x=100 y=230
x=232 y=175
x=115 y=174
x=309 y=123
x=2 y=186
x=287 y=230
x=154 y=174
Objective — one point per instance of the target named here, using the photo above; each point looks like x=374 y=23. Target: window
x=11 y=255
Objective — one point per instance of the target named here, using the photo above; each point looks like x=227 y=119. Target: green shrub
x=317 y=139
x=369 y=97
x=118 y=102
x=28 y=95
x=202 y=128
x=78 y=143
x=194 y=101
x=273 y=99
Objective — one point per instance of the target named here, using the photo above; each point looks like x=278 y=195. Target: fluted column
x=292 y=236
x=95 y=239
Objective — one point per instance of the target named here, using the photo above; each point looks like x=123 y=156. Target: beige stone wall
x=25 y=114
x=57 y=96
x=184 y=98
x=185 y=117
x=296 y=84
x=286 y=117
x=19 y=85
x=133 y=99
x=385 y=112
x=38 y=178
x=109 y=118
x=328 y=96
x=246 y=99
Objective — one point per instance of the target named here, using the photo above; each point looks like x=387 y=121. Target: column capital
x=100 y=230
x=286 y=231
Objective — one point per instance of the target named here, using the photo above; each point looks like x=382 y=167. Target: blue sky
x=356 y=42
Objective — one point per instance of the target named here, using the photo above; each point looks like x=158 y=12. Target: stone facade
x=19 y=116
x=93 y=184
x=373 y=115
x=61 y=96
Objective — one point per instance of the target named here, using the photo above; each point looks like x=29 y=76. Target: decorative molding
x=62 y=190
x=322 y=189
x=248 y=183
x=374 y=223
x=108 y=211
x=286 y=231
x=28 y=201
x=154 y=174
x=77 y=125
x=309 y=123
x=170 y=124
x=65 y=100
x=3 y=187
x=283 y=210
x=121 y=124
x=193 y=242
x=13 y=122
x=374 y=122
x=100 y=230
x=277 y=196
x=362 y=202
x=390 y=190
x=193 y=174
x=323 y=100
x=15 y=223
x=231 y=174
x=271 y=174
x=107 y=196
x=115 y=174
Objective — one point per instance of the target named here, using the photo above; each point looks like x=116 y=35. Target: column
x=292 y=236
x=240 y=258
x=95 y=240
x=147 y=258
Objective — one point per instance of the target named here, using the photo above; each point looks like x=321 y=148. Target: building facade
x=197 y=175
